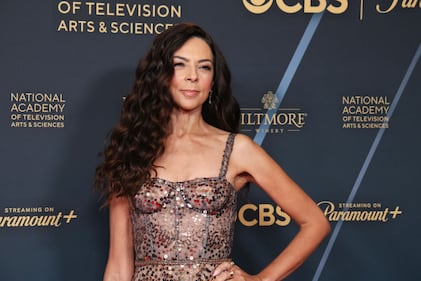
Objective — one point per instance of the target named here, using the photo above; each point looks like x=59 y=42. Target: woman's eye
x=206 y=67
x=178 y=64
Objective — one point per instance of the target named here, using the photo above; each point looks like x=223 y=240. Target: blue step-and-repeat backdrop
x=331 y=89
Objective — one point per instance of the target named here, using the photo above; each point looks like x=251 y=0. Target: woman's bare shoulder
x=243 y=143
x=215 y=134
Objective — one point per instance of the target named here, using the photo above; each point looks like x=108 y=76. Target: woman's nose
x=191 y=74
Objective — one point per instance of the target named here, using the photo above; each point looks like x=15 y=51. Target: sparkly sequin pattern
x=183 y=230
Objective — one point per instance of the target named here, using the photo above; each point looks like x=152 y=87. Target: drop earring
x=210 y=97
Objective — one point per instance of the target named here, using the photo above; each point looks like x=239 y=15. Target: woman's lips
x=190 y=93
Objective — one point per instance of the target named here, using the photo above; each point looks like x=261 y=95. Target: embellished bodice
x=188 y=222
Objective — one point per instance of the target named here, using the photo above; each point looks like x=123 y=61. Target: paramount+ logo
x=295 y=6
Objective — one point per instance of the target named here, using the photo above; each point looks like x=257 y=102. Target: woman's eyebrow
x=186 y=59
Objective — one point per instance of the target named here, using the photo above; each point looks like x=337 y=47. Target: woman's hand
x=232 y=272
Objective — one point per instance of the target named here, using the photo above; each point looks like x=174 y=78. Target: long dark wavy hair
x=138 y=139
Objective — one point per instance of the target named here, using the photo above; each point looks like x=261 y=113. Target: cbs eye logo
x=308 y=6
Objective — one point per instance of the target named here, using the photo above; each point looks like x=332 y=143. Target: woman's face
x=193 y=74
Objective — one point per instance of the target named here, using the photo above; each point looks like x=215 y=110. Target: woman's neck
x=185 y=123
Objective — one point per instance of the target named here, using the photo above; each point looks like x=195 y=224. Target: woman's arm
x=120 y=264
x=250 y=159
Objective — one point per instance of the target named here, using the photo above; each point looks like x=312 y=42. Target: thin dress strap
x=227 y=153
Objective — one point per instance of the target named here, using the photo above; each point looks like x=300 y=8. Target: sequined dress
x=183 y=230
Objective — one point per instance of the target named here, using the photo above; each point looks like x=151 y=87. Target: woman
x=174 y=164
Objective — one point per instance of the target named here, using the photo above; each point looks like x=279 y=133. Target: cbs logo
x=262 y=215
x=308 y=6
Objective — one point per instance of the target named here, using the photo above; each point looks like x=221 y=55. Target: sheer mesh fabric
x=183 y=230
